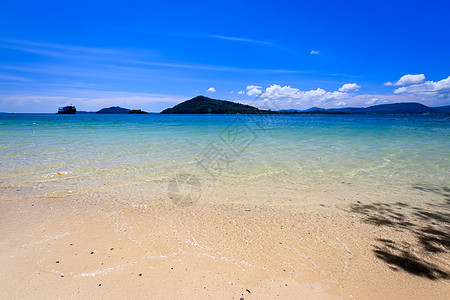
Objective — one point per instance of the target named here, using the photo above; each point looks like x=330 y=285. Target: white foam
x=104 y=271
x=49 y=239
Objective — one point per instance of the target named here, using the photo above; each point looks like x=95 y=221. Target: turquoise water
x=384 y=153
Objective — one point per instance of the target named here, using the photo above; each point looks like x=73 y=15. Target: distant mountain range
x=397 y=108
x=394 y=108
x=298 y=110
x=205 y=105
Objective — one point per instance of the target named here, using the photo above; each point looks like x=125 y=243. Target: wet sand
x=75 y=246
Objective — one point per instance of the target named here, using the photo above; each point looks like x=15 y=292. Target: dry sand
x=77 y=247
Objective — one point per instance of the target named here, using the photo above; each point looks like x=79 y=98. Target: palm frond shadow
x=430 y=228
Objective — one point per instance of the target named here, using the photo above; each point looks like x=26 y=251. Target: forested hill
x=205 y=105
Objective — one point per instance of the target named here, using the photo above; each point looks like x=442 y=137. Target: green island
x=137 y=112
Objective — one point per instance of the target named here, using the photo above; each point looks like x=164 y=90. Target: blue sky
x=277 y=54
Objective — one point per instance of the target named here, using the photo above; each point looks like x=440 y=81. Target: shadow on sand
x=430 y=228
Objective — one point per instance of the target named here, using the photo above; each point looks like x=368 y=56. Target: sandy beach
x=74 y=246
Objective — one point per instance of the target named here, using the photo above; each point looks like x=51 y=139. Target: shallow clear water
x=44 y=153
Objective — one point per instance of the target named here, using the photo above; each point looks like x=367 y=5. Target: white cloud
x=254 y=90
x=285 y=96
x=231 y=92
x=211 y=90
x=410 y=79
x=241 y=92
x=389 y=83
x=314 y=52
x=429 y=88
x=276 y=92
x=349 y=87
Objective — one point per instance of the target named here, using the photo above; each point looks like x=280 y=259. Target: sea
x=188 y=159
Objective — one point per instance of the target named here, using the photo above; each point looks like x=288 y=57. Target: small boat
x=68 y=110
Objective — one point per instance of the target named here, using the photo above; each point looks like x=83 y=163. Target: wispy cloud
x=119 y=58
x=4 y=77
x=219 y=37
x=32 y=45
x=198 y=35
x=239 y=39
x=210 y=67
x=62 y=51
